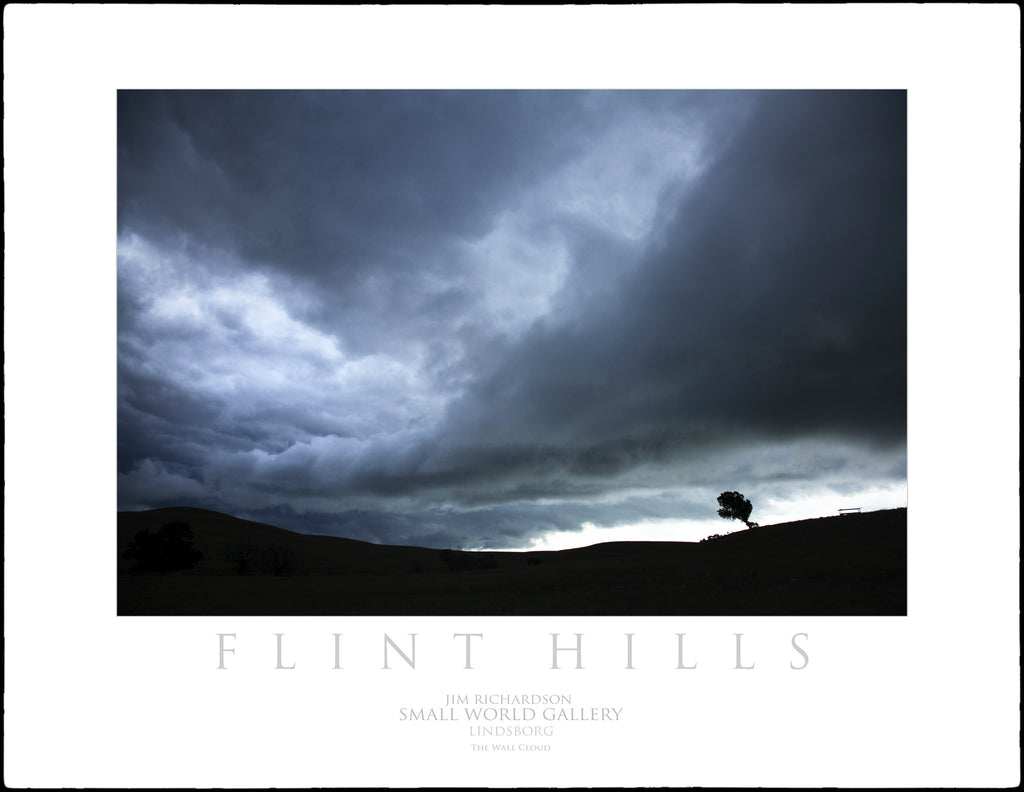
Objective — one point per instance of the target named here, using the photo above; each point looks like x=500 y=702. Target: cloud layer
x=472 y=318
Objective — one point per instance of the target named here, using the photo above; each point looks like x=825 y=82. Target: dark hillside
x=220 y=536
x=849 y=565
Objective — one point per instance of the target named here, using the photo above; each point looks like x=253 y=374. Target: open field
x=850 y=565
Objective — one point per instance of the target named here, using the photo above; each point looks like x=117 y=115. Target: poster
x=93 y=699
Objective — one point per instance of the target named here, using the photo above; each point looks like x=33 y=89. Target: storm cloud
x=479 y=318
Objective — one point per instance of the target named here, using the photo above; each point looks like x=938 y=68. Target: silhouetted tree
x=168 y=549
x=735 y=507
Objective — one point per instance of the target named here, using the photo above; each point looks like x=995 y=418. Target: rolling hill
x=849 y=565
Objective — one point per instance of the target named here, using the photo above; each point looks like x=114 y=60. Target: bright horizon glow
x=647 y=531
x=809 y=507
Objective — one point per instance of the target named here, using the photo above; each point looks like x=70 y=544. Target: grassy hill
x=850 y=565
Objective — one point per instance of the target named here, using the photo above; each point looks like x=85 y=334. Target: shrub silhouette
x=735 y=507
x=242 y=555
x=276 y=559
x=168 y=549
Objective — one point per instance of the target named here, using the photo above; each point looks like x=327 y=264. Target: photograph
x=523 y=352
x=511 y=396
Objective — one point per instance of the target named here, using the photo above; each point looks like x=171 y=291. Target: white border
x=929 y=700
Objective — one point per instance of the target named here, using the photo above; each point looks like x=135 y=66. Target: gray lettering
x=739 y=662
x=801 y=651
x=279 y=665
x=223 y=649
x=403 y=655
x=555 y=649
x=467 y=636
x=680 y=663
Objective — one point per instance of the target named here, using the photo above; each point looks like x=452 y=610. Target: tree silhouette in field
x=735 y=507
x=168 y=549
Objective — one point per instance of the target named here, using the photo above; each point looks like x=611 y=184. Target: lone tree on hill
x=168 y=549
x=735 y=507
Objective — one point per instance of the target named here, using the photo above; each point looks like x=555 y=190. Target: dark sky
x=478 y=319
